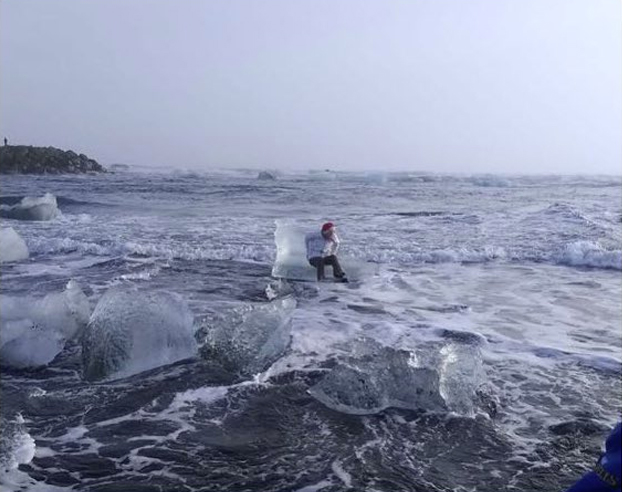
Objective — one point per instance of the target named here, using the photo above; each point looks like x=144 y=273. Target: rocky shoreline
x=26 y=159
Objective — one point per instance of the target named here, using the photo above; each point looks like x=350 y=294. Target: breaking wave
x=589 y=254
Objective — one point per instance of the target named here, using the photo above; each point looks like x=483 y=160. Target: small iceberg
x=34 y=331
x=377 y=380
x=291 y=255
x=266 y=176
x=131 y=332
x=249 y=338
x=32 y=208
x=12 y=246
x=447 y=376
x=490 y=181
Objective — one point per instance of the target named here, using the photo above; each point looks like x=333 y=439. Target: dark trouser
x=331 y=260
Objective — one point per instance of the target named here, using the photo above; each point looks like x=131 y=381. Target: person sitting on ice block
x=322 y=249
x=605 y=476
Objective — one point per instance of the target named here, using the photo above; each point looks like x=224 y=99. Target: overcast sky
x=511 y=86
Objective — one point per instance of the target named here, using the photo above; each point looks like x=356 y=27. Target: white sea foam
x=142 y=275
x=343 y=475
x=316 y=487
x=289 y=260
x=46 y=245
x=18 y=445
x=464 y=255
x=414 y=255
x=16 y=480
x=205 y=395
x=19 y=448
x=12 y=246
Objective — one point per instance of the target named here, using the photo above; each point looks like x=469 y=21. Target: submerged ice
x=131 y=332
x=34 y=331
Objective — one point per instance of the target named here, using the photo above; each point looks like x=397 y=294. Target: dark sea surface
x=164 y=332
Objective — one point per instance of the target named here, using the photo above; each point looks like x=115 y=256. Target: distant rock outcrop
x=25 y=159
x=118 y=167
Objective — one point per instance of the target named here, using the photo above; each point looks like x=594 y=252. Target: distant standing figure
x=322 y=249
x=6 y=142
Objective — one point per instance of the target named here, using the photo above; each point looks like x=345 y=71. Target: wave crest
x=589 y=254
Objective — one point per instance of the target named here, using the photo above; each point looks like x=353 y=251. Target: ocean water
x=151 y=340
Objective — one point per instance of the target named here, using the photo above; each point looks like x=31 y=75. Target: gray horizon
x=484 y=86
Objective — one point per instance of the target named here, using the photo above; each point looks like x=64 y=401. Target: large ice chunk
x=130 y=332
x=247 y=339
x=442 y=376
x=459 y=363
x=291 y=255
x=32 y=208
x=36 y=346
x=381 y=378
x=12 y=246
x=34 y=331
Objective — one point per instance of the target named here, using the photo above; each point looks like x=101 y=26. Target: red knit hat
x=328 y=225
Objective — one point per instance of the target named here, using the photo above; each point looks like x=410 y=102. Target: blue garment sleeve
x=605 y=477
